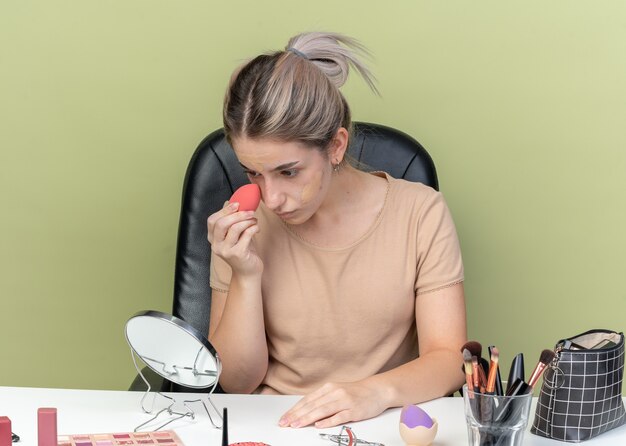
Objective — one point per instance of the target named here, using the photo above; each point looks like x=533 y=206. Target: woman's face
x=294 y=179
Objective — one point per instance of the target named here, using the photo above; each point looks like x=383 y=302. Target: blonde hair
x=293 y=95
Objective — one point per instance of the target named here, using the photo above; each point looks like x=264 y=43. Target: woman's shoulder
x=404 y=193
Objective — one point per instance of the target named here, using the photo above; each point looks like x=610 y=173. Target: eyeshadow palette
x=160 y=438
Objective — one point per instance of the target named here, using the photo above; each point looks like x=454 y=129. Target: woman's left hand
x=334 y=404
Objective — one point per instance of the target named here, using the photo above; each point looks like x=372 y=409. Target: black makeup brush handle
x=225 y=427
x=516 y=371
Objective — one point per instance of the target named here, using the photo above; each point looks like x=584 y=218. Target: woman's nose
x=272 y=195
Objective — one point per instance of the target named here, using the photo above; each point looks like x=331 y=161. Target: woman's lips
x=285 y=215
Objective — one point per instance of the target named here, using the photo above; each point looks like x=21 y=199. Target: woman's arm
x=237 y=327
x=237 y=331
x=440 y=318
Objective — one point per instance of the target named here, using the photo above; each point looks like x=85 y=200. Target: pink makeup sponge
x=416 y=427
x=248 y=196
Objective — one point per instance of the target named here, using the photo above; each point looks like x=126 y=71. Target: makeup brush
x=493 y=370
x=225 y=427
x=467 y=363
x=498 y=390
x=546 y=358
x=476 y=349
x=482 y=379
x=475 y=377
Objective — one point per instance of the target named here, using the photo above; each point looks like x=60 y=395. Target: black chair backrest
x=214 y=174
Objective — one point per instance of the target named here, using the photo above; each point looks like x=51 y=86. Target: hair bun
x=333 y=53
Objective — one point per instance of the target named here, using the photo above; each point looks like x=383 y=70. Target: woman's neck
x=352 y=205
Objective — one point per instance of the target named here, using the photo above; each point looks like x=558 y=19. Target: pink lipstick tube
x=47 y=426
x=5 y=431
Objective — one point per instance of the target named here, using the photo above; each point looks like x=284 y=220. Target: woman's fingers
x=236 y=230
x=213 y=219
x=230 y=233
x=334 y=404
x=219 y=229
x=337 y=419
x=321 y=403
x=298 y=408
x=246 y=236
x=323 y=412
x=302 y=402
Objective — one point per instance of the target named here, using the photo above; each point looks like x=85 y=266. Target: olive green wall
x=521 y=104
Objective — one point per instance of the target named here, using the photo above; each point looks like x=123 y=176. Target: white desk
x=251 y=418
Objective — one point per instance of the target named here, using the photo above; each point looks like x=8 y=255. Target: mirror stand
x=173 y=413
x=176 y=351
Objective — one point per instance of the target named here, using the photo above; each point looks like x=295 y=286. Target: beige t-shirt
x=343 y=314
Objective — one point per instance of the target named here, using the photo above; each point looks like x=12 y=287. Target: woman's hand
x=437 y=372
x=230 y=235
x=334 y=404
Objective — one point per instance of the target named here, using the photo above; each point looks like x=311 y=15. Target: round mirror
x=173 y=349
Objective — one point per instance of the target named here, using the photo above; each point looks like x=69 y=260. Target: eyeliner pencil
x=225 y=427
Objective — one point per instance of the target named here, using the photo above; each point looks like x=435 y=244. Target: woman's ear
x=338 y=146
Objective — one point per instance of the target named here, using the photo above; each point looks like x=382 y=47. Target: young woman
x=344 y=286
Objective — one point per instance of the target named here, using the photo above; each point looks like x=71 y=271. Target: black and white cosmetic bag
x=581 y=394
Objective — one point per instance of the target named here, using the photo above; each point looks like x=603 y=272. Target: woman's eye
x=289 y=173
x=251 y=173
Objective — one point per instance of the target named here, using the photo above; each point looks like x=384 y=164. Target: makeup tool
x=545 y=358
x=416 y=426
x=5 y=431
x=498 y=389
x=47 y=426
x=493 y=370
x=347 y=437
x=249 y=443
x=486 y=406
x=476 y=349
x=518 y=388
x=467 y=362
x=482 y=379
x=225 y=427
x=177 y=351
x=248 y=196
x=225 y=433
x=161 y=438
x=516 y=371
x=475 y=376
x=605 y=343
x=568 y=344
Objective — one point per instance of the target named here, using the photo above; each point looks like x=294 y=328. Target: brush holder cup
x=494 y=420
